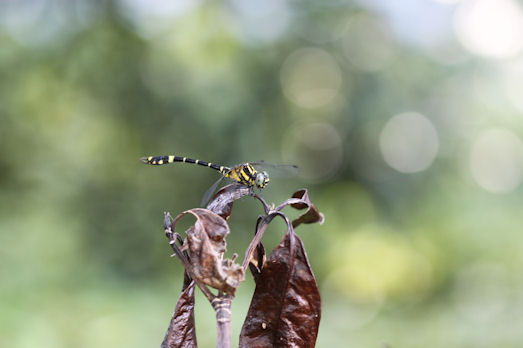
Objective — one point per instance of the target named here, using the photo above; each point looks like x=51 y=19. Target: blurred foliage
x=404 y=117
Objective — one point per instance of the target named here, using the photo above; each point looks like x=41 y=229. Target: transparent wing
x=277 y=170
x=208 y=194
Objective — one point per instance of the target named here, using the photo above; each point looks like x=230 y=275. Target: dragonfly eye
x=262 y=179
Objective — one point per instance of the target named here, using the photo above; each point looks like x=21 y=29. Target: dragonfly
x=245 y=174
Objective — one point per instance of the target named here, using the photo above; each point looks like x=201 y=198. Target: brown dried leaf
x=223 y=200
x=181 y=332
x=300 y=200
x=286 y=307
x=206 y=244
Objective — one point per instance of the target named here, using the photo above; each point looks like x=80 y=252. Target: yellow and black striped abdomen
x=159 y=160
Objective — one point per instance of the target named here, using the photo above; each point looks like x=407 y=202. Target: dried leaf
x=300 y=200
x=206 y=244
x=181 y=332
x=223 y=200
x=286 y=306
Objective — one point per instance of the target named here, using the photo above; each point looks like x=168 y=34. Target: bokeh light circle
x=496 y=160
x=491 y=28
x=310 y=77
x=409 y=142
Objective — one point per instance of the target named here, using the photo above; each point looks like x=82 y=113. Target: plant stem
x=222 y=306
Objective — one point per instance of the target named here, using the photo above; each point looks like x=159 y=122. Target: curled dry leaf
x=300 y=200
x=223 y=200
x=286 y=306
x=181 y=332
x=206 y=244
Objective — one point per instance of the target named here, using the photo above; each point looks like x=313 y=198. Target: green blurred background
x=405 y=118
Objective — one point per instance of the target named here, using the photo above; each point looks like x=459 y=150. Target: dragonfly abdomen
x=159 y=160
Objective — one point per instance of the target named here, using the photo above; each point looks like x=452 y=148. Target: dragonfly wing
x=208 y=194
x=277 y=170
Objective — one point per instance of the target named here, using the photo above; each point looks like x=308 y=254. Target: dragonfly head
x=262 y=179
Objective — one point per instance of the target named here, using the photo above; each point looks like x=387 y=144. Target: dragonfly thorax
x=262 y=179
